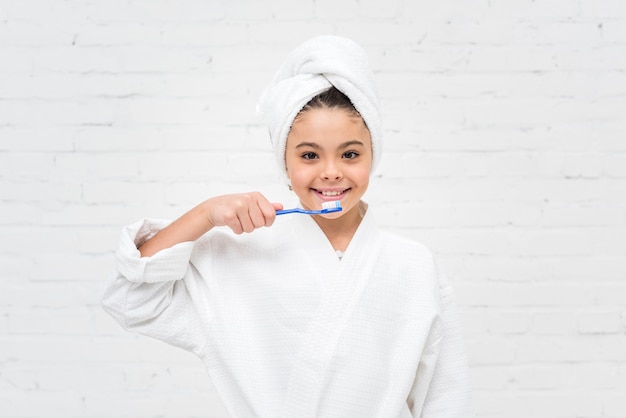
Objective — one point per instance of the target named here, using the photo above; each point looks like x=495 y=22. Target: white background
x=505 y=137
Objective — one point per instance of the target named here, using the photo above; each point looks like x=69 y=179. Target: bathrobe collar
x=342 y=293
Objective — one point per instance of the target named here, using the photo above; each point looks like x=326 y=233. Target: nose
x=331 y=171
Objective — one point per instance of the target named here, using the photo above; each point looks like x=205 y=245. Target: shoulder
x=394 y=241
x=415 y=257
x=406 y=247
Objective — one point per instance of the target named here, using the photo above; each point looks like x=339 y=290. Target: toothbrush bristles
x=334 y=205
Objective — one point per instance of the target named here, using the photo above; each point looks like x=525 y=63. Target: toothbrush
x=327 y=207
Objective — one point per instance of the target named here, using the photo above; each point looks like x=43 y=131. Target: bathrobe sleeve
x=155 y=295
x=441 y=388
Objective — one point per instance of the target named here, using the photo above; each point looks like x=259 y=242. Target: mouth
x=331 y=194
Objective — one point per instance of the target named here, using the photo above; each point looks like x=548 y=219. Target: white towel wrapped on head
x=312 y=68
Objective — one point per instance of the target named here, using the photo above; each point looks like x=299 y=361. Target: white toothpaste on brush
x=327 y=207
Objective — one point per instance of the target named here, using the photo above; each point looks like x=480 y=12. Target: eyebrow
x=343 y=145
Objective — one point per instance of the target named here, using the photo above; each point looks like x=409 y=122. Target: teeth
x=326 y=193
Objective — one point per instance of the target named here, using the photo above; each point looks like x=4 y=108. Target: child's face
x=329 y=157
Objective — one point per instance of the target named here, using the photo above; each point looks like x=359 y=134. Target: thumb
x=277 y=206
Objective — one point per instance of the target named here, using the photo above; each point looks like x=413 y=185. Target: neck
x=341 y=230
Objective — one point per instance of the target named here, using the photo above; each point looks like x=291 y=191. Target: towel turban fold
x=310 y=69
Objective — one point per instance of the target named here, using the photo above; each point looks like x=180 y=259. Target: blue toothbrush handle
x=293 y=210
x=308 y=212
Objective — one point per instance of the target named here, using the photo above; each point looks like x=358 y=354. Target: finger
x=269 y=211
x=257 y=215
x=236 y=228
x=232 y=221
x=243 y=214
x=263 y=212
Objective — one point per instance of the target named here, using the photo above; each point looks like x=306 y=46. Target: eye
x=309 y=156
x=350 y=155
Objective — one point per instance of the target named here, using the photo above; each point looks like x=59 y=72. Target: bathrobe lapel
x=342 y=292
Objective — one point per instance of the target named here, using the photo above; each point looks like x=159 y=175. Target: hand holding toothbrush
x=249 y=211
x=243 y=212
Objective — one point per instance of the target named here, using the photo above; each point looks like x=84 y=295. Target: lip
x=342 y=192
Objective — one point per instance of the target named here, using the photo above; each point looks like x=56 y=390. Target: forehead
x=327 y=126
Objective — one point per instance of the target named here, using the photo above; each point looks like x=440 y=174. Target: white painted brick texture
x=505 y=154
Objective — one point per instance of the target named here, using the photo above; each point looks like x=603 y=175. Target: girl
x=304 y=315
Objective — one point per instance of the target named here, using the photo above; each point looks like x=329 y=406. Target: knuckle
x=229 y=217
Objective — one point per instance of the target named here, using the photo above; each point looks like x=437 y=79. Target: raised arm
x=240 y=212
x=154 y=290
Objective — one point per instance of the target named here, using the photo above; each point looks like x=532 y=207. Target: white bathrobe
x=287 y=329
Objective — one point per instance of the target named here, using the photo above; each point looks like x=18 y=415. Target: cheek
x=362 y=178
x=294 y=170
x=365 y=178
x=299 y=175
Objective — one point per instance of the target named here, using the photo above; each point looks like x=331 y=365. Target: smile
x=331 y=193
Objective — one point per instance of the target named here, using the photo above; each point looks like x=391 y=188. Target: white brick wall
x=505 y=154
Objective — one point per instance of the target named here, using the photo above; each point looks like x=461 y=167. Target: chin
x=334 y=215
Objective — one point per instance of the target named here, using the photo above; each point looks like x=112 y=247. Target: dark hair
x=332 y=98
